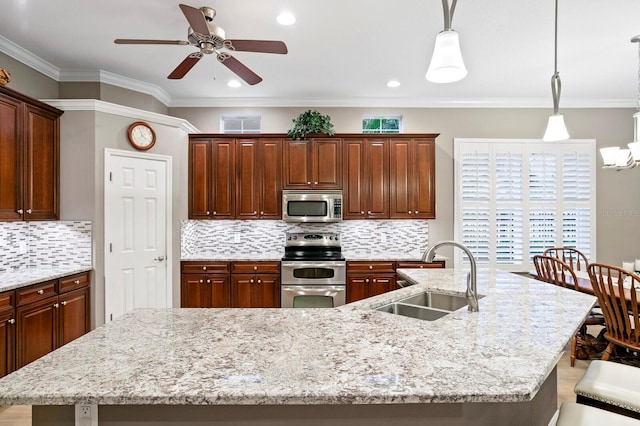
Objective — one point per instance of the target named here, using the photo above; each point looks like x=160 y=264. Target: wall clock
x=141 y=135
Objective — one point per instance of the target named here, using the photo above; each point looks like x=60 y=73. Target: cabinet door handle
x=12 y=321
x=261 y=213
x=56 y=305
x=201 y=281
x=369 y=212
x=374 y=280
x=28 y=211
x=361 y=211
x=416 y=212
x=208 y=281
x=208 y=212
x=215 y=212
x=255 y=212
x=308 y=183
x=251 y=280
x=409 y=211
x=20 y=211
x=41 y=291
x=366 y=280
x=63 y=303
x=315 y=183
x=259 y=281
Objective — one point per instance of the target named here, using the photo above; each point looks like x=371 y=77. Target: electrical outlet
x=86 y=415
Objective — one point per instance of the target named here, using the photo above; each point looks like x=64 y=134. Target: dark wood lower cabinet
x=205 y=291
x=7 y=342
x=255 y=291
x=36 y=330
x=46 y=316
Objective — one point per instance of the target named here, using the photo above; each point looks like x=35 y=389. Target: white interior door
x=137 y=231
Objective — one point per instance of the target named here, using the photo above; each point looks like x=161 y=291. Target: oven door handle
x=313 y=289
x=311 y=265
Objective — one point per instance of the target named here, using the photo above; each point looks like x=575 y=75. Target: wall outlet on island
x=86 y=415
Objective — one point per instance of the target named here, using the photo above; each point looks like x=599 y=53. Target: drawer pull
x=41 y=291
x=76 y=282
x=204 y=268
x=255 y=268
x=12 y=321
x=370 y=266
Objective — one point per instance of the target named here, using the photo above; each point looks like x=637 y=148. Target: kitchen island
x=351 y=365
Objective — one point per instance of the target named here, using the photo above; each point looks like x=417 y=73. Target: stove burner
x=312 y=246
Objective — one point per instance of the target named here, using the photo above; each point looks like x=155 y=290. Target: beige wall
x=618 y=196
x=26 y=80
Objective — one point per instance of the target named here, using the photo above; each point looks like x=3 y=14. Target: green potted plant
x=310 y=122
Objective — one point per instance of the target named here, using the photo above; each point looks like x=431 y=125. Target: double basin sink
x=428 y=305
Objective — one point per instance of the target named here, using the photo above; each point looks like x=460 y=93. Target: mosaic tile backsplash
x=359 y=237
x=44 y=244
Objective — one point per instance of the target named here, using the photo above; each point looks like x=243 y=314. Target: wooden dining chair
x=554 y=271
x=619 y=306
x=571 y=256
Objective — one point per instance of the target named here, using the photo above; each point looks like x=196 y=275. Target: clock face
x=141 y=136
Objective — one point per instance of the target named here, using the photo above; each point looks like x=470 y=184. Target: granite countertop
x=277 y=256
x=17 y=278
x=349 y=355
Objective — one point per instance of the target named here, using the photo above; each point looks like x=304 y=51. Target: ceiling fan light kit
x=614 y=157
x=556 y=129
x=447 y=64
x=210 y=39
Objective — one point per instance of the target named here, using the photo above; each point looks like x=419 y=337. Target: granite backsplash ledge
x=47 y=244
x=228 y=238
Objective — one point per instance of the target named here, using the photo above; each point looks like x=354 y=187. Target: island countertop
x=349 y=355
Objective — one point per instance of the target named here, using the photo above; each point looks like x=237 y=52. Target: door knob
x=159 y=258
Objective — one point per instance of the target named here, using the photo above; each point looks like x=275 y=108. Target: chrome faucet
x=472 y=288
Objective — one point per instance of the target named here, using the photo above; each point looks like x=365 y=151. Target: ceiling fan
x=210 y=38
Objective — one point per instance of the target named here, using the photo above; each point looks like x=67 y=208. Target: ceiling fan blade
x=196 y=20
x=185 y=66
x=239 y=68
x=144 y=41
x=265 y=46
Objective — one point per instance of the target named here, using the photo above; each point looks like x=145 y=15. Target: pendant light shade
x=556 y=129
x=614 y=157
x=447 y=64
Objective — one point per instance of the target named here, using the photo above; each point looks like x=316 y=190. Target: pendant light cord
x=448 y=13
x=556 y=85
x=636 y=39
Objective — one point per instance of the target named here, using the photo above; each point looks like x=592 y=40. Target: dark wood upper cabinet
x=29 y=158
x=313 y=164
x=211 y=178
x=258 y=188
x=412 y=178
x=242 y=176
x=366 y=179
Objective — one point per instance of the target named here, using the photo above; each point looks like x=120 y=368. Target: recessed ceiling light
x=393 y=83
x=234 y=83
x=286 y=18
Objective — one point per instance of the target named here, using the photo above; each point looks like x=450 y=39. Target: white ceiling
x=341 y=52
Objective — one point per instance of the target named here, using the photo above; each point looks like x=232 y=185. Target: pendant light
x=446 y=64
x=618 y=158
x=556 y=130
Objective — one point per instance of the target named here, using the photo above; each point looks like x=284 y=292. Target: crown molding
x=124 y=111
x=13 y=50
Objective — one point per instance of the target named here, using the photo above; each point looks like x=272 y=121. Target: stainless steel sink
x=430 y=299
x=418 y=312
x=428 y=305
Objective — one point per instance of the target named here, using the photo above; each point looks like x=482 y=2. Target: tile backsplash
x=359 y=237
x=44 y=244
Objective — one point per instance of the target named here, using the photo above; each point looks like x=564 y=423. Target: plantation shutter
x=515 y=198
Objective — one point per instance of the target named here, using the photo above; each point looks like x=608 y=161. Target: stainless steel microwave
x=311 y=206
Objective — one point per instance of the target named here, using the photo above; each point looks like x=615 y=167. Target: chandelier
x=618 y=158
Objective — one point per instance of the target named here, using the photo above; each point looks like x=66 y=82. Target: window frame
x=561 y=206
x=242 y=118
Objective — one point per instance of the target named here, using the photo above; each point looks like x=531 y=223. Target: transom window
x=515 y=198
x=240 y=123
x=381 y=124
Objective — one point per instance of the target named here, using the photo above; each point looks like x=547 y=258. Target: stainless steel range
x=313 y=271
